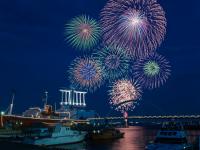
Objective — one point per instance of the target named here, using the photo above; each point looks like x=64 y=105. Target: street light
x=1 y=117
x=2 y=113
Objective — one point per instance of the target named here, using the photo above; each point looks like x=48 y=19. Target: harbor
x=73 y=126
x=99 y=75
x=46 y=126
x=135 y=137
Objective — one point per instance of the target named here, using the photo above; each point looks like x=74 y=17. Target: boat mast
x=55 y=107
x=46 y=98
x=11 y=105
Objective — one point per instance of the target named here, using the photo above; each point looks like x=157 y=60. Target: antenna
x=46 y=97
x=55 y=107
x=12 y=103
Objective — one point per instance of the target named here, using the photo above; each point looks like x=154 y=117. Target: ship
x=172 y=136
x=59 y=136
x=106 y=134
x=72 y=110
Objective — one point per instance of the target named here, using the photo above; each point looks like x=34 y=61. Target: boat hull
x=28 y=121
x=169 y=147
x=55 y=141
x=107 y=135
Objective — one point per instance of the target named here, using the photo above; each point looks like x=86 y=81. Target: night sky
x=35 y=57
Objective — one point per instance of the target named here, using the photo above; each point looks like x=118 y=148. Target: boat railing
x=37 y=133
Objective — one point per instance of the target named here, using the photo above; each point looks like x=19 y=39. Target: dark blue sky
x=34 y=56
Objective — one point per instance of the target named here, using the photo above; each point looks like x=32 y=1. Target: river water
x=135 y=138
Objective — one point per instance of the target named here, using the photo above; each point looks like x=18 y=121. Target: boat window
x=169 y=133
x=163 y=133
x=171 y=140
x=37 y=131
x=174 y=133
x=57 y=129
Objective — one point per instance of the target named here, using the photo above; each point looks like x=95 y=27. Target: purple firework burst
x=139 y=26
x=152 y=71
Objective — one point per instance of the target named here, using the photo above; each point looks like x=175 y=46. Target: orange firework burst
x=124 y=94
x=86 y=73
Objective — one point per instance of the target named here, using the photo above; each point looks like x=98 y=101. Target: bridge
x=185 y=119
x=147 y=119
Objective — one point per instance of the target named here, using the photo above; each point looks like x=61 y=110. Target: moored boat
x=171 y=137
x=72 y=109
x=60 y=135
x=9 y=133
x=106 y=134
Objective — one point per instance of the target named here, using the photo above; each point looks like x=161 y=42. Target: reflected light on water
x=134 y=139
x=77 y=146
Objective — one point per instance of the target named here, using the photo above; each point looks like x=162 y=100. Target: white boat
x=60 y=135
x=170 y=137
x=9 y=133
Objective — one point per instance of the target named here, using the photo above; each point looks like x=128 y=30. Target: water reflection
x=135 y=138
x=77 y=146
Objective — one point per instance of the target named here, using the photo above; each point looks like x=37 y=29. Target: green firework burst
x=153 y=71
x=114 y=62
x=83 y=32
x=151 y=68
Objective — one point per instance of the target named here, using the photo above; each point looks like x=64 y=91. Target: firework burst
x=114 y=62
x=152 y=71
x=86 y=73
x=124 y=95
x=138 y=26
x=82 y=32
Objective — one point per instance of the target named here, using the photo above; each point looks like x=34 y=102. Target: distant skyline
x=34 y=56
